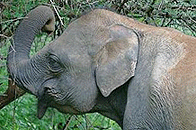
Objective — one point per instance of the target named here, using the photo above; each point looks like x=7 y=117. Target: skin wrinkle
x=108 y=106
x=159 y=78
x=163 y=50
x=159 y=103
x=160 y=82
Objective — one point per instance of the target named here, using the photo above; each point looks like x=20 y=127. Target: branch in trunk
x=12 y=93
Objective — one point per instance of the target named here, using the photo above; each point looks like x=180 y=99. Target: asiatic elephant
x=141 y=76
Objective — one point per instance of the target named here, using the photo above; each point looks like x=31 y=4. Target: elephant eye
x=54 y=64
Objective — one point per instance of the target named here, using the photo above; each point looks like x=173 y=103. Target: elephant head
x=94 y=56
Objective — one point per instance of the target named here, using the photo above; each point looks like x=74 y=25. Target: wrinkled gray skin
x=142 y=77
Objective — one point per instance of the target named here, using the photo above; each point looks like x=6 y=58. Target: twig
x=191 y=7
x=163 y=21
x=67 y=123
x=187 y=25
x=57 y=12
x=192 y=19
x=19 y=18
x=168 y=22
x=102 y=128
x=2 y=35
x=13 y=49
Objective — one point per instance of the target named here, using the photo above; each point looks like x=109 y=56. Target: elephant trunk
x=18 y=61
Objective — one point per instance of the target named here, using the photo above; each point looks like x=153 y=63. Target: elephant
x=141 y=76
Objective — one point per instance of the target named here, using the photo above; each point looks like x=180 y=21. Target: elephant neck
x=114 y=105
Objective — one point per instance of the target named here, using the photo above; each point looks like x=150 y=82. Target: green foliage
x=3 y=68
x=21 y=114
x=178 y=14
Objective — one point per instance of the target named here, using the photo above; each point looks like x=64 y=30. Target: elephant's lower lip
x=66 y=109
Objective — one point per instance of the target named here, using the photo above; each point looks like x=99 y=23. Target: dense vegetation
x=21 y=114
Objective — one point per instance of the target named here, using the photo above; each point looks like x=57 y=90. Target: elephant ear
x=117 y=59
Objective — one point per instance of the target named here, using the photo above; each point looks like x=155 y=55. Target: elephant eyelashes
x=54 y=64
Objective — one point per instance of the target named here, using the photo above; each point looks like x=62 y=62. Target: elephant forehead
x=75 y=46
x=74 y=56
x=71 y=55
x=83 y=37
x=78 y=60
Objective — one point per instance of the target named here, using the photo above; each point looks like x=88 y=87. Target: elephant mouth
x=49 y=96
x=67 y=109
x=42 y=107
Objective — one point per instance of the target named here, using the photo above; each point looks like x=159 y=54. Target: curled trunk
x=19 y=65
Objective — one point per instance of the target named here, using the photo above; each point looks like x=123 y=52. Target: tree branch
x=12 y=93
